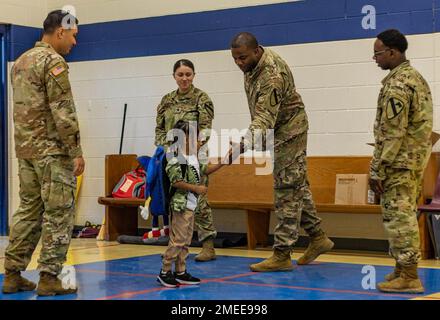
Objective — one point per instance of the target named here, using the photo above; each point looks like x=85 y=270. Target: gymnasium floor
x=110 y=271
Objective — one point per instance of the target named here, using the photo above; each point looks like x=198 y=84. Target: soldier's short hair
x=244 y=39
x=183 y=62
x=394 y=39
x=56 y=19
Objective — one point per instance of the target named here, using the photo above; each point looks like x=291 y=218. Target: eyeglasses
x=378 y=53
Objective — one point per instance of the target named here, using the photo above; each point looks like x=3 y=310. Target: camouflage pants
x=204 y=222
x=399 y=210
x=46 y=211
x=181 y=233
x=294 y=206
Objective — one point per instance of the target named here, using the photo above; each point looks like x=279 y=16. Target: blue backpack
x=158 y=193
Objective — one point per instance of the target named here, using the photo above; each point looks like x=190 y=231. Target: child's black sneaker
x=167 y=280
x=186 y=278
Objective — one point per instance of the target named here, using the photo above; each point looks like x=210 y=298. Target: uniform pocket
x=62 y=188
x=63 y=82
x=292 y=175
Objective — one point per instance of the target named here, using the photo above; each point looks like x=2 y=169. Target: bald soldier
x=275 y=104
x=402 y=132
x=47 y=145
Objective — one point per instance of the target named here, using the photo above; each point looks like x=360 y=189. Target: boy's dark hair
x=182 y=125
x=186 y=127
x=55 y=19
x=183 y=62
x=393 y=39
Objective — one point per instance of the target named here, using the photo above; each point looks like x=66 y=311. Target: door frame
x=4 y=180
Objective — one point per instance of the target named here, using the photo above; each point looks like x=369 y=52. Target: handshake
x=234 y=152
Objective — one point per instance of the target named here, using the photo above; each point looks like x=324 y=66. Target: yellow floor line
x=89 y=251
x=435 y=296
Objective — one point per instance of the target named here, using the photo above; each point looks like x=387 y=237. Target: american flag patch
x=57 y=70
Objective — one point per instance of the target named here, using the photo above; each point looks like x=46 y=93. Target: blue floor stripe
x=227 y=278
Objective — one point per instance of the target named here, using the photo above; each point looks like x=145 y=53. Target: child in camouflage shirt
x=186 y=174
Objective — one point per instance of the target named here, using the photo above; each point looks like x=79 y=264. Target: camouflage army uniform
x=192 y=106
x=402 y=147
x=46 y=142
x=182 y=221
x=275 y=104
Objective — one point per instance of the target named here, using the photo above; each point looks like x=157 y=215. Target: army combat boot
x=319 y=244
x=279 y=261
x=14 y=282
x=50 y=285
x=395 y=274
x=208 y=252
x=407 y=282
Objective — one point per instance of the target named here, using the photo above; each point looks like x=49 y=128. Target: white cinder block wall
x=23 y=12
x=113 y=10
x=338 y=80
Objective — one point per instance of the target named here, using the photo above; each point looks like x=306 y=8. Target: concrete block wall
x=126 y=51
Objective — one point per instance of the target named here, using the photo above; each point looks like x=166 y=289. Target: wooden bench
x=238 y=187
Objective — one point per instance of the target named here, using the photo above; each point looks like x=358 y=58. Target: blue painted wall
x=277 y=24
x=3 y=134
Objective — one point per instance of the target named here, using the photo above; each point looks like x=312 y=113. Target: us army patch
x=394 y=108
x=56 y=71
x=274 y=99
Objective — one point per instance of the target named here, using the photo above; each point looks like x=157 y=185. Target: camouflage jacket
x=403 y=125
x=45 y=120
x=174 y=171
x=192 y=106
x=273 y=101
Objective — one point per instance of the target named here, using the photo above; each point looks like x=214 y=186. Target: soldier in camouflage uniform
x=275 y=104
x=402 y=132
x=189 y=103
x=47 y=144
x=185 y=173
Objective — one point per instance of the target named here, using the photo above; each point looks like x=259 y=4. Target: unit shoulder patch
x=274 y=98
x=394 y=107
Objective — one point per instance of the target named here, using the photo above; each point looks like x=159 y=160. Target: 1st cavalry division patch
x=394 y=108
